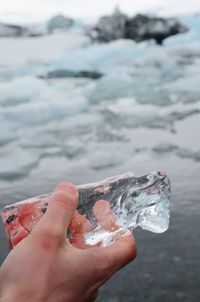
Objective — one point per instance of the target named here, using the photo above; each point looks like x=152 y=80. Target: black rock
x=65 y=73
x=141 y=27
x=111 y=27
x=59 y=22
x=138 y=28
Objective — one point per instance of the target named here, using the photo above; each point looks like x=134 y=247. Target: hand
x=45 y=267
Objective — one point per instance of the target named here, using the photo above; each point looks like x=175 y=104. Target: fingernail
x=67 y=187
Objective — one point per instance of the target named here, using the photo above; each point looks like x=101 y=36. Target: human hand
x=46 y=267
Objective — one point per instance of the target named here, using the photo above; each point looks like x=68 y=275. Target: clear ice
x=133 y=201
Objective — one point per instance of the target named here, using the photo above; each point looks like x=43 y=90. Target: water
x=142 y=115
x=145 y=106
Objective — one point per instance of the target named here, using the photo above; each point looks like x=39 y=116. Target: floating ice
x=187 y=87
x=73 y=149
x=193 y=23
x=7 y=133
x=193 y=153
x=112 y=87
x=40 y=140
x=20 y=90
x=144 y=86
x=97 y=56
x=126 y=112
x=43 y=112
x=110 y=157
x=17 y=162
x=164 y=148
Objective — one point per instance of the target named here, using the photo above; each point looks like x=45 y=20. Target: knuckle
x=64 y=199
x=49 y=234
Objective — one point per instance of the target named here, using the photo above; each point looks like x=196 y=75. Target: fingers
x=78 y=226
x=123 y=250
x=117 y=255
x=61 y=208
x=104 y=215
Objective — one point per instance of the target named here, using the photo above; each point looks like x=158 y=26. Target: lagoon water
x=142 y=115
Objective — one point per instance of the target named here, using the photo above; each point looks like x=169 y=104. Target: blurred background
x=90 y=89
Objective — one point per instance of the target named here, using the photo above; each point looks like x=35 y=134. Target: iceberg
x=17 y=163
x=40 y=112
x=20 y=90
x=182 y=152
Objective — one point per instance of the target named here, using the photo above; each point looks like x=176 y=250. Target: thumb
x=61 y=207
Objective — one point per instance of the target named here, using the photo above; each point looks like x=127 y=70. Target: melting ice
x=143 y=86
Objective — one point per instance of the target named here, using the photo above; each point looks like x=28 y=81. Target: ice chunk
x=113 y=207
x=110 y=157
x=42 y=111
x=72 y=148
x=187 y=87
x=186 y=153
x=17 y=162
x=97 y=56
x=20 y=90
x=7 y=134
x=164 y=148
x=192 y=36
x=112 y=87
x=183 y=152
x=127 y=112
x=39 y=140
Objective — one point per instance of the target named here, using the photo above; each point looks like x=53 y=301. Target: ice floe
x=49 y=107
x=193 y=153
x=20 y=90
x=17 y=163
x=41 y=112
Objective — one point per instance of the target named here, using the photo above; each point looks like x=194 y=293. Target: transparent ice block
x=107 y=210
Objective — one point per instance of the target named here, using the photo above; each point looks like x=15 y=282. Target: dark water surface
x=166 y=269
x=167 y=266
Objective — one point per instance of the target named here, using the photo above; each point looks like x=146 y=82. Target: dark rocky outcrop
x=137 y=28
x=110 y=27
x=141 y=27
x=65 y=73
x=59 y=22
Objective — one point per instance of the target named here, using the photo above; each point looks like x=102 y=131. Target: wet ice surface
x=114 y=207
x=136 y=202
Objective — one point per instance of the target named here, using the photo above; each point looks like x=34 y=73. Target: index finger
x=123 y=250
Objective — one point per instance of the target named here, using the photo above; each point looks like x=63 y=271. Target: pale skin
x=45 y=267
